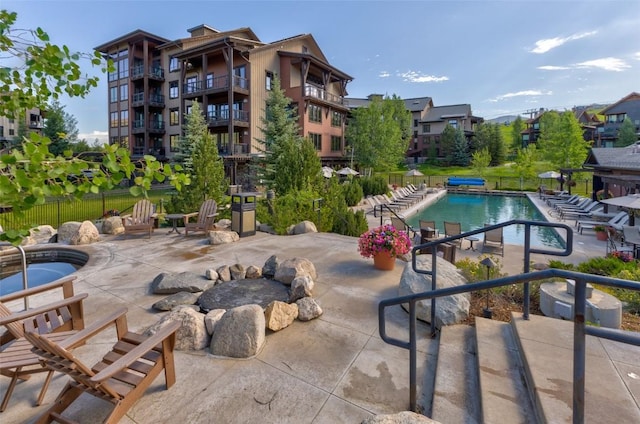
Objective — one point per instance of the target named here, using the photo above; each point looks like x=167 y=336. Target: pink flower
x=384 y=238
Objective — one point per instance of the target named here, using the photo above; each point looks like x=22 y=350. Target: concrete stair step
x=455 y=390
x=503 y=392
x=612 y=385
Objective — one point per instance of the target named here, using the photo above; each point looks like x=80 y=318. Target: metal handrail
x=580 y=329
x=25 y=282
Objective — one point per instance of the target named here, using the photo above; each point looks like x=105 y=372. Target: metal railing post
x=579 y=351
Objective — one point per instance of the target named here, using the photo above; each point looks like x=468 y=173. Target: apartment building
x=626 y=108
x=33 y=120
x=428 y=123
x=230 y=74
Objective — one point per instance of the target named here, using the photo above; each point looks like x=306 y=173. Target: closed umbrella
x=413 y=173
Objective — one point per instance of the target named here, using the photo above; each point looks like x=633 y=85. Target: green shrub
x=349 y=223
x=352 y=192
x=373 y=186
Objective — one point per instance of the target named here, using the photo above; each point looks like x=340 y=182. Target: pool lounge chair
x=616 y=222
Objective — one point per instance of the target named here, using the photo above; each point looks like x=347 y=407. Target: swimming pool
x=473 y=211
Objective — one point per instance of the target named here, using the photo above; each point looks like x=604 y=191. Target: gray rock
x=224 y=274
x=291 y=268
x=301 y=287
x=308 y=309
x=176 y=299
x=87 y=233
x=212 y=318
x=41 y=234
x=279 y=315
x=211 y=274
x=67 y=230
x=240 y=333
x=304 y=227
x=243 y=292
x=192 y=334
x=237 y=272
x=253 y=272
x=112 y=225
x=449 y=309
x=270 y=266
x=166 y=283
x=404 y=417
x=223 y=237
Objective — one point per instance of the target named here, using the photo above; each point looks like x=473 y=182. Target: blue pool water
x=473 y=211
x=37 y=275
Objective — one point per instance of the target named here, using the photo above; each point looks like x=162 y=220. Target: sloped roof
x=630 y=97
x=440 y=113
x=619 y=158
x=417 y=104
x=135 y=35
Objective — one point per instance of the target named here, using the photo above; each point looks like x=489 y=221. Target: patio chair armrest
x=212 y=215
x=66 y=284
x=188 y=216
x=23 y=315
x=118 y=318
x=137 y=352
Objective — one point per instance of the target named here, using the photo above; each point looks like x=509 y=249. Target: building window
x=174 y=139
x=336 y=143
x=114 y=140
x=124 y=118
x=415 y=122
x=191 y=84
x=316 y=139
x=1 y=131
x=173 y=90
x=426 y=128
x=210 y=80
x=315 y=113
x=12 y=131
x=240 y=77
x=174 y=117
x=113 y=122
x=124 y=92
x=123 y=68
x=336 y=119
x=211 y=112
x=188 y=109
x=268 y=81
x=453 y=123
x=113 y=94
x=174 y=65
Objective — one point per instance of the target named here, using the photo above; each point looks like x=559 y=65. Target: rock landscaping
x=228 y=310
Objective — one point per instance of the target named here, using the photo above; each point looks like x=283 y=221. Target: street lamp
x=486 y=312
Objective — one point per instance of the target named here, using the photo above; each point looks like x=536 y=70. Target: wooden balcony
x=316 y=93
x=153 y=72
x=153 y=100
x=240 y=119
x=214 y=86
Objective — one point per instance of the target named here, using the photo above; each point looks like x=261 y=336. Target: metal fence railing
x=56 y=211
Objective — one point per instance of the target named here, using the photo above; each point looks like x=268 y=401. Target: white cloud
x=543 y=46
x=607 y=63
x=384 y=74
x=102 y=137
x=524 y=93
x=553 y=68
x=413 y=76
x=636 y=56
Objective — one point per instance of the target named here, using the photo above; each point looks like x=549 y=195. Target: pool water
x=472 y=211
x=37 y=275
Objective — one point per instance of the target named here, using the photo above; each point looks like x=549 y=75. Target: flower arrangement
x=384 y=238
x=623 y=256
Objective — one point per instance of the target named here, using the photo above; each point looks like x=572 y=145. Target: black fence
x=56 y=211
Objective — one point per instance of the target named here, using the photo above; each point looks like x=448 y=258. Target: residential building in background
x=428 y=122
x=230 y=73
x=32 y=120
x=626 y=108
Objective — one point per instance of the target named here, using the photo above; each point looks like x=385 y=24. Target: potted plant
x=384 y=244
x=601 y=232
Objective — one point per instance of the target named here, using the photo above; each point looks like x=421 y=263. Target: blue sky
x=502 y=57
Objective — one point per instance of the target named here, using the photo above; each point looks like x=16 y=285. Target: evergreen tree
x=290 y=161
x=497 y=147
x=60 y=127
x=561 y=140
x=194 y=129
x=380 y=133
x=460 y=154
x=626 y=134
x=447 y=143
x=516 y=134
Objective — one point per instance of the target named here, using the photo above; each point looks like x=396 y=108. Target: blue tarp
x=458 y=181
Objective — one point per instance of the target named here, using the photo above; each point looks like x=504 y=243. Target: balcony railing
x=221 y=83
x=156 y=100
x=154 y=72
x=154 y=126
x=222 y=118
x=36 y=124
x=319 y=93
x=236 y=149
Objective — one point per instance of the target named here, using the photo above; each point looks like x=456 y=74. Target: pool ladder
x=25 y=283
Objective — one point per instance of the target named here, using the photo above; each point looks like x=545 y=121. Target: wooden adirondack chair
x=206 y=217
x=453 y=229
x=59 y=319
x=141 y=219
x=123 y=374
x=494 y=238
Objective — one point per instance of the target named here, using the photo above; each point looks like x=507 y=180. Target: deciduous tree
x=561 y=141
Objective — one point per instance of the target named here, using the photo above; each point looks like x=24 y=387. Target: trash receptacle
x=243 y=214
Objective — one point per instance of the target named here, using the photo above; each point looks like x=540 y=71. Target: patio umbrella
x=631 y=201
x=327 y=171
x=347 y=171
x=549 y=174
x=413 y=173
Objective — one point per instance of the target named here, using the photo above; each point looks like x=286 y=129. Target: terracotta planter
x=384 y=261
x=601 y=235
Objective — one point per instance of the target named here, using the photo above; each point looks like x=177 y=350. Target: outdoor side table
x=471 y=239
x=174 y=217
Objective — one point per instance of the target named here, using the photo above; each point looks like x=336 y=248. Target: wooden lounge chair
x=205 y=218
x=453 y=229
x=123 y=374
x=58 y=319
x=494 y=238
x=142 y=219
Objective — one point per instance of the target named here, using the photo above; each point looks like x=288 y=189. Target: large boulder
x=67 y=230
x=240 y=333
x=308 y=309
x=86 y=233
x=223 y=237
x=192 y=334
x=303 y=227
x=449 y=309
x=270 y=266
x=166 y=283
x=39 y=235
x=112 y=225
x=292 y=268
x=176 y=299
x=279 y=315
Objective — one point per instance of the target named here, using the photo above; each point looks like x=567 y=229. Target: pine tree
x=60 y=127
x=460 y=154
x=626 y=134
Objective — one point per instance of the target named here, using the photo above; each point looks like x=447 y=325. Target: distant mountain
x=506 y=120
